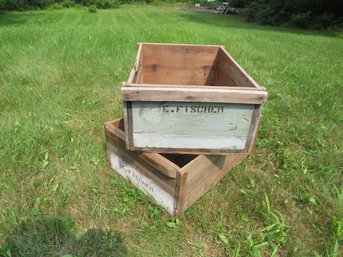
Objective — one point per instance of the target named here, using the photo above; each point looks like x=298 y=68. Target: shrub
x=323 y=21
x=301 y=20
x=56 y=6
x=68 y=3
x=239 y=3
x=92 y=9
x=107 y=4
x=297 y=13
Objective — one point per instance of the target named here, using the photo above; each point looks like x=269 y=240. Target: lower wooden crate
x=174 y=181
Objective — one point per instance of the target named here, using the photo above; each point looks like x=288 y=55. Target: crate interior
x=187 y=65
x=179 y=159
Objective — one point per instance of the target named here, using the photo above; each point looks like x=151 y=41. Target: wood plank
x=162 y=164
x=177 y=44
x=179 y=76
x=178 y=56
x=203 y=173
x=184 y=94
x=139 y=65
x=223 y=78
x=236 y=72
x=255 y=128
x=254 y=125
x=134 y=75
x=191 y=125
x=127 y=123
x=191 y=86
x=145 y=178
x=165 y=166
x=180 y=188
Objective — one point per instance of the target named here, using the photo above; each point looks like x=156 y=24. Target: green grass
x=60 y=74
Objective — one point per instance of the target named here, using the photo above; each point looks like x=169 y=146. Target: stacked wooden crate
x=190 y=114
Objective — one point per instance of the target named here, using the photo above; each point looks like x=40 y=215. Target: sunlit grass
x=60 y=74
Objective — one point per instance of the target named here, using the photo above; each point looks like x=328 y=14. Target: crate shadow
x=52 y=236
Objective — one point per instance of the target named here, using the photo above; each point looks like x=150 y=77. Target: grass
x=60 y=74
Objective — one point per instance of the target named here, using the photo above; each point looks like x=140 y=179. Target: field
x=60 y=75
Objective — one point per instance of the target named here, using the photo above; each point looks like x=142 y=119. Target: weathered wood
x=203 y=173
x=185 y=94
x=236 y=72
x=255 y=122
x=223 y=78
x=178 y=56
x=144 y=177
x=183 y=75
x=190 y=86
x=201 y=76
x=194 y=175
x=115 y=132
x=191 y=125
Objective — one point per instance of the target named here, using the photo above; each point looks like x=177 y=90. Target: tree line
x=22 y=5
x=306 y=14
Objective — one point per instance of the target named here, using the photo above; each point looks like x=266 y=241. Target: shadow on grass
x=52 y=236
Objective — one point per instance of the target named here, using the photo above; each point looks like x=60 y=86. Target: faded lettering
x=215 y=109
x=145 y=184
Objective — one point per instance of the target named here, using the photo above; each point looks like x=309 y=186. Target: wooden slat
x=173 y=76
x=184 y=94
x=161 y=188
x=223 y=78
x=202 y=173
x=191 y=86
x=236 y=72
x=165 y=166
x=254 y=127
x=191 y=125
x=136 y=75
x=127 y=123
x=178 y=56
x=156 y=160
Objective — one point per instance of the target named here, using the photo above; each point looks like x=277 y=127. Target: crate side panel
x=227 y=65
x=204 y=174
x=179 y=56
x=144 y=177
x=179 y=76
x=191 y=125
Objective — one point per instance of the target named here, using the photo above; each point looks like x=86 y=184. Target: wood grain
x=191 y=125
x=178 y=56
x=195 y=174
x=184 y=94
x=179 y=76
x=204 y=173
x=117 y=136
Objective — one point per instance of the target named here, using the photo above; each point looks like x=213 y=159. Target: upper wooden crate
x=190 y=99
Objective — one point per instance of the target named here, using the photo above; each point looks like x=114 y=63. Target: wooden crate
x=190 y=99
x=174 y=181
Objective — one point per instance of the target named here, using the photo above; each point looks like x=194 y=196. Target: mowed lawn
x=60 y=77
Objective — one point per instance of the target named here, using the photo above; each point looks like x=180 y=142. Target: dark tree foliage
x=314 y=14
x=21 y=5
